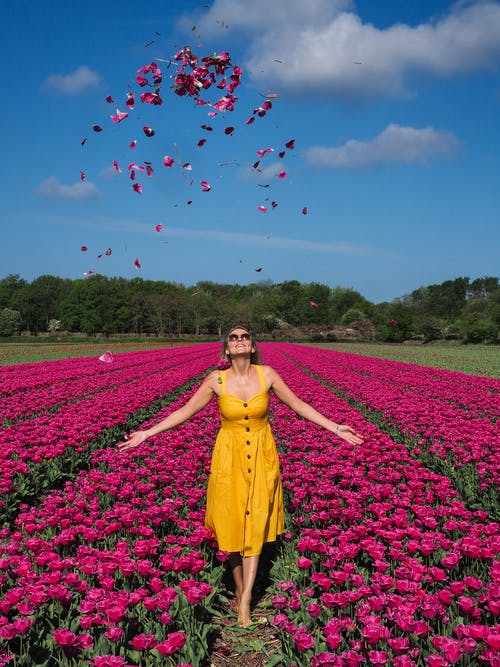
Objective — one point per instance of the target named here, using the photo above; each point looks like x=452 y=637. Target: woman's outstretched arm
x=196 y=403
x=286 y=395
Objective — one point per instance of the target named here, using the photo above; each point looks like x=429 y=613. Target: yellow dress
x=244 y=494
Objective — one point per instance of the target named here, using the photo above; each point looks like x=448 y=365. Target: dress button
x=245 y=417
x=245 y=405
x=247 y=428
x=249 y=469
x=247 y=512
x=249 y=456
x=248 y=442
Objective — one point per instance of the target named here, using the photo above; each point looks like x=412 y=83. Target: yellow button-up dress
x=244 y=494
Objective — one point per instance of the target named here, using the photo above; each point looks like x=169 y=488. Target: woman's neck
x=241 y=367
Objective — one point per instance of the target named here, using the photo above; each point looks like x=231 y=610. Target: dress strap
x=222 y=381
x=260 y=373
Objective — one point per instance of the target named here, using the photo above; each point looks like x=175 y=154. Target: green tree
x=10 y=322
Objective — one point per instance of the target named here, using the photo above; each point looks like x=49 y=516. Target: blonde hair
x=255 y=357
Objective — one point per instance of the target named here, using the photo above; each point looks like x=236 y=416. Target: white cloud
x=317 y=47
x=52 y=187
x=396 y=144
x=74 y=83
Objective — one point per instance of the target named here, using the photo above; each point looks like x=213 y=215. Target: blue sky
x=393 y=106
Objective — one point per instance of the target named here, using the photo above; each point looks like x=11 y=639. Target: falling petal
x=304 y=210
x=281 y=154
x=136 y=263
x=262 y=208
x=168 y=161
x=83 y=141
x=274 y=204
x=133 y=144
x=250 y=120
x=108 y=252
x=258 y=270
x=107 y=357
x=205 y=186
x=256 y=164
x=189 y=202
x=148 y=131
x=119 y=116
x=116 y=167
x=137 y=187
x=84 y=248
x=158 y=228
x=187 y=166
x=272 y=96
x=99 y=255
x=290 y=144
x=281 y=174
x=207 y=128
x=202 y=142
x=97 y=128
x=130 y=100
x=132 y=175
x=89 y=272
x=149 y=170
x=229 y=130
x=313 y=304
x=82 y=176
x=109 y=99
x=264 y=185
x=262 y=151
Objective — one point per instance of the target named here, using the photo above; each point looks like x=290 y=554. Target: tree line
x=463 y=309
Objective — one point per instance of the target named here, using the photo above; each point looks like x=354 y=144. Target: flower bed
x=382 y=563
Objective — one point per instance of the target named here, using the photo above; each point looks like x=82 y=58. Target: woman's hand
x=348 y=434
x=133 y=440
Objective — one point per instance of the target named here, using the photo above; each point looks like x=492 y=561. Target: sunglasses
x=232 y=338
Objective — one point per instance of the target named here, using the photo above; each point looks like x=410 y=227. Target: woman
x=244 y=495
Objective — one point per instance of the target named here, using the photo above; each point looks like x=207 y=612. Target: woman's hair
x=255 y=357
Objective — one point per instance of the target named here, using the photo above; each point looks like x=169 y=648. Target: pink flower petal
x=313 y=304
x=119 y=116
x=149 y=170
x=250 y=120
x=281 y=174
x=202 y=142
x=137 y=187
x=158 y=228
x=148 y=131
x=274 y=204
x=108 y=252
x=83 y=141
x=304 y=210
x=116 y=167
x=84 y=248
x=109 y=99
x=229 y=130
x=133 y=144
x=107 y=357
x=262 y=208
x=136 y=263
x=130 y=100
x=205 y=186
x=168 y=161
x=82 y=176
x=187 y=166
x=281 y=154
x=258 y=270
x=189 y=202
x=290 y=144
x=89 y=272
x=97 y=128
x=207 y=128
x=261 y=152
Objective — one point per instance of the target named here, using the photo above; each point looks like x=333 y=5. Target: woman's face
x=238 y=340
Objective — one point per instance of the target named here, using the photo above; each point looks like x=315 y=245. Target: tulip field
x=391 y=551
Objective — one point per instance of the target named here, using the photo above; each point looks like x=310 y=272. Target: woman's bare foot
x=244 y=618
